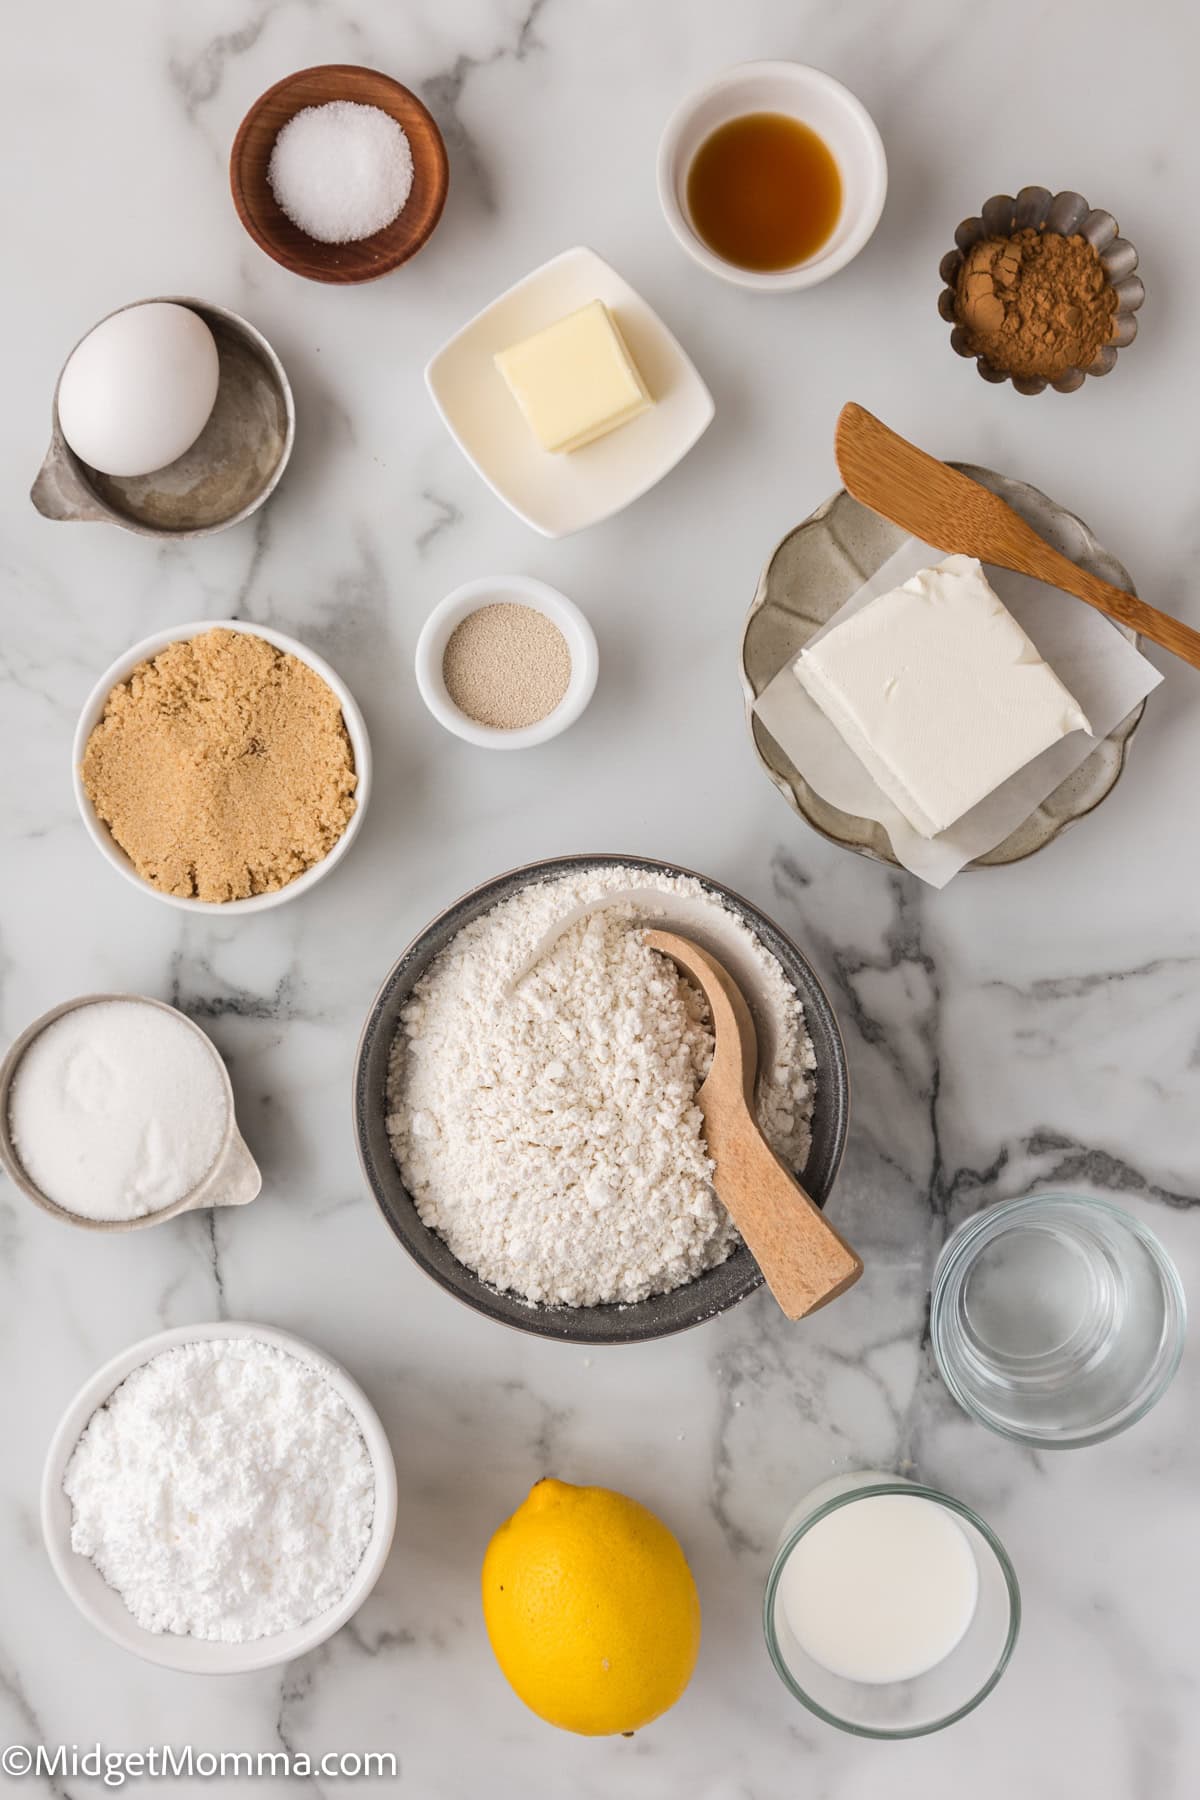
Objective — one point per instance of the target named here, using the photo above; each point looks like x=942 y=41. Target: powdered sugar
x=225 y=1491
x=549 y=1131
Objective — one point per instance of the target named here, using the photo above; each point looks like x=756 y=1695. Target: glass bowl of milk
x=891 y=1610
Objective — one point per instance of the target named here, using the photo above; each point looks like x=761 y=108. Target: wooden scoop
x=803 y=1260
x=946 y=508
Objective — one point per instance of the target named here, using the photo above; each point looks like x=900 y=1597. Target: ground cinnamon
x=1035 y=303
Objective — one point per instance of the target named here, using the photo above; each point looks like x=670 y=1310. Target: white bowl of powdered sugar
x=219 y=1498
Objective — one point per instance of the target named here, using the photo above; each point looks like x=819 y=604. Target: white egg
x=139 y=389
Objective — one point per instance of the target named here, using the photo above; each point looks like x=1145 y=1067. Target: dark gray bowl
x=701 y=1299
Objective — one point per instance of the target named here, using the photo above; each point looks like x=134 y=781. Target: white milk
x=882 y=1589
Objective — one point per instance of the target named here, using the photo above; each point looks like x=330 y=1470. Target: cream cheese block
x=939 y=692
x=575 y=380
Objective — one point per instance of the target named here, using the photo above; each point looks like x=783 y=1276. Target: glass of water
x=1057 y=1320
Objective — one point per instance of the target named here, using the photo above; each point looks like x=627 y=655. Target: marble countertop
x=1033 y=1026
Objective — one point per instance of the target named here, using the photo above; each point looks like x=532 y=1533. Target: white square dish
x=558 y=494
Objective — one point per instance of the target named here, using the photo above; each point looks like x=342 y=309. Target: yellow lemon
x=591 y=1609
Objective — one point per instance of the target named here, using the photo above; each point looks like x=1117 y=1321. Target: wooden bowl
x=269 y=225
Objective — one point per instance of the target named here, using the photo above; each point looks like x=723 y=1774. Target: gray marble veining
x=1038 y=1025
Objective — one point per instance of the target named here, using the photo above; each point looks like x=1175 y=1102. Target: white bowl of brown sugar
x=506 y=662
x=221 y=766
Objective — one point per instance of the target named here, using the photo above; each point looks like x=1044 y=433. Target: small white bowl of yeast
x=506 y=590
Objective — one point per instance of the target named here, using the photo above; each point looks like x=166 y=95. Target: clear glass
x=946 y=1692
x=1057 y=1320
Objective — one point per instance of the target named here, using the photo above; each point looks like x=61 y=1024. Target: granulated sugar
x=225 y=1491
x=549 y=1131
x=341 y=171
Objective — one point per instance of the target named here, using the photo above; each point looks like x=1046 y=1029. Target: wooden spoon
x=803 y=1260
x=946 y=508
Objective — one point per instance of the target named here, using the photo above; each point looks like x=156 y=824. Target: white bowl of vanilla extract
x=773 y=177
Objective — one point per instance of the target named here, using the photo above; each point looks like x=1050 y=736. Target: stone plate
x=815 y=570
x=662 y=1314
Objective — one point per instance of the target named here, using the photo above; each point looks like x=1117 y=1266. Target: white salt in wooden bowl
x=104 y=1608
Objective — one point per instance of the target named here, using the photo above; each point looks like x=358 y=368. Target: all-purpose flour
x=225 y=1491
x=548 y=1130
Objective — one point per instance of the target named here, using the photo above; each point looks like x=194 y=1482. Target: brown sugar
x=1035 y=303
x=222 y=767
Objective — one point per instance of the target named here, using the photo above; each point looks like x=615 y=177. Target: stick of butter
x=939 y=692
x=575 y=380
